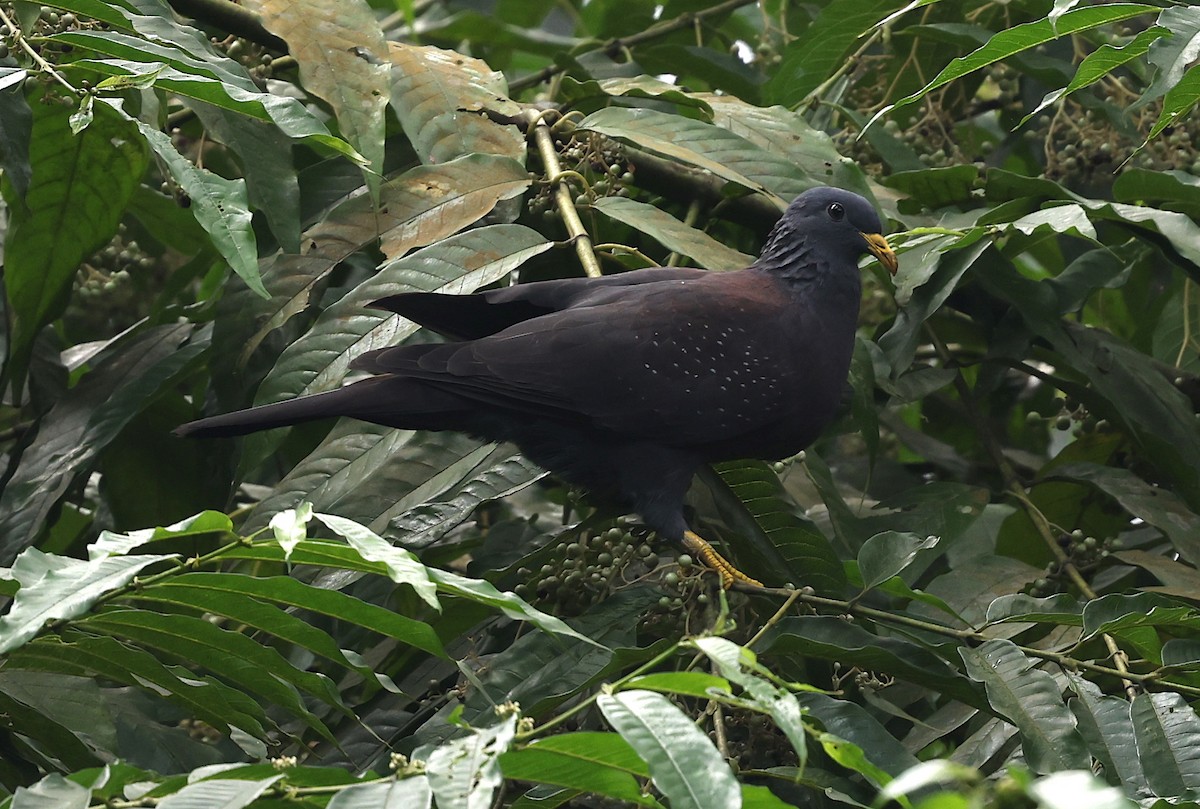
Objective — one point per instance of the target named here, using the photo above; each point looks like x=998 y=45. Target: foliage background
x=998 y=539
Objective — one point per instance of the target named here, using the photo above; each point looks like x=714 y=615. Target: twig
x=1016 y=490
x=966 y=636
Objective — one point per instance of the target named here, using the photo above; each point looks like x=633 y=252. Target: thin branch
x=968 y=636
x=1012 y=483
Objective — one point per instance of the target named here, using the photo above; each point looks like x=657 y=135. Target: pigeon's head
x=831 y=225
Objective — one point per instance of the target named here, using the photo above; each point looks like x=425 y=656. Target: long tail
x=391 y=401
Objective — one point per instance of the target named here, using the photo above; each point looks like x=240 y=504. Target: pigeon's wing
x=678 y=362
x=469 y=317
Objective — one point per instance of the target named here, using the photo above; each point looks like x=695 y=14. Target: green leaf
x=1021 y=38
x=342 y=56
x=900 y=342
x=232 y=656
x=16 y=127
x=1032 y=701
x=459 y=264
x=206 y=698
x=685 y=683
x=887 y=553
x=1060 y=609
x=58 y=588
x=230 y=594
x=219 y=205
x=1100 y=63
x=856 y=739
x=1106 y=727
x=440 y=97
x=1116 y=612
x=683 y=763
x=481 y=592
x=226 y=793
x=540 y=670
x=705 y=146
x=266 y=158
x=419 y=207
x=409 y=793
x=823 y=46
x=751 y=500
x=1168 y=736
x=1153 y=505
x=287 y=114
x=114 y=544
x=673 y=234
x=79 y=188
x=402 y=566
x=425 y=523
x=1179 y=101
x=601 y=763
x=125 y=377
x=371 y=474
x=1172 y=56
x=464 y=773
x=740 y=665
x=787 y=132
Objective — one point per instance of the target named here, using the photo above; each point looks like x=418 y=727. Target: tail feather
x=391 y=401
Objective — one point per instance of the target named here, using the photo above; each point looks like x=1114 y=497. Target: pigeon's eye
x=836 y=212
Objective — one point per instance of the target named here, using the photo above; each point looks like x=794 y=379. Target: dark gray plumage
x=626 y=384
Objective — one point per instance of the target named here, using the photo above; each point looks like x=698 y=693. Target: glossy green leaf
x=751 y=500
x=705 y=146
x=887 y=553
x=673 y=234
x=342 y=57
x=1032 y=701
x=683 y=763
x=440 y=98
x=1104 y=722
x=1156 y=506
x=459 y=264
x=219 y=205
x=226 y=793
x=57 y=588
x=1100 y=63
x=1020 y=38
x=407 y=793
x=79 y=187
x=1168 y=735
x=465 y=773
x=126 y=376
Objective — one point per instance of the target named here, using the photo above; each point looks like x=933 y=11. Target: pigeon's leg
x=694 y=544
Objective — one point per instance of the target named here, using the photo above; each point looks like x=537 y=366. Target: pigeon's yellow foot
x=694 y=544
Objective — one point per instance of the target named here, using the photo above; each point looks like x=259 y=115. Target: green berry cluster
x=49 y=21
x=1083 y=551
x=600 y=161
x=252 y=56
x=1067 y=413
x=105 y=295
x=584 y=569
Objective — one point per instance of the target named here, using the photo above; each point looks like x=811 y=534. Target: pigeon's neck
x=790 y=256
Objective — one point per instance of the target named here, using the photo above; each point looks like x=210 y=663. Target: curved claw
x=694 y=544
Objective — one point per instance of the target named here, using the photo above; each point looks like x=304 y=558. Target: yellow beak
x=879 y=247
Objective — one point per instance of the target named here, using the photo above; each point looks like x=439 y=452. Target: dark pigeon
x=625 y=384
